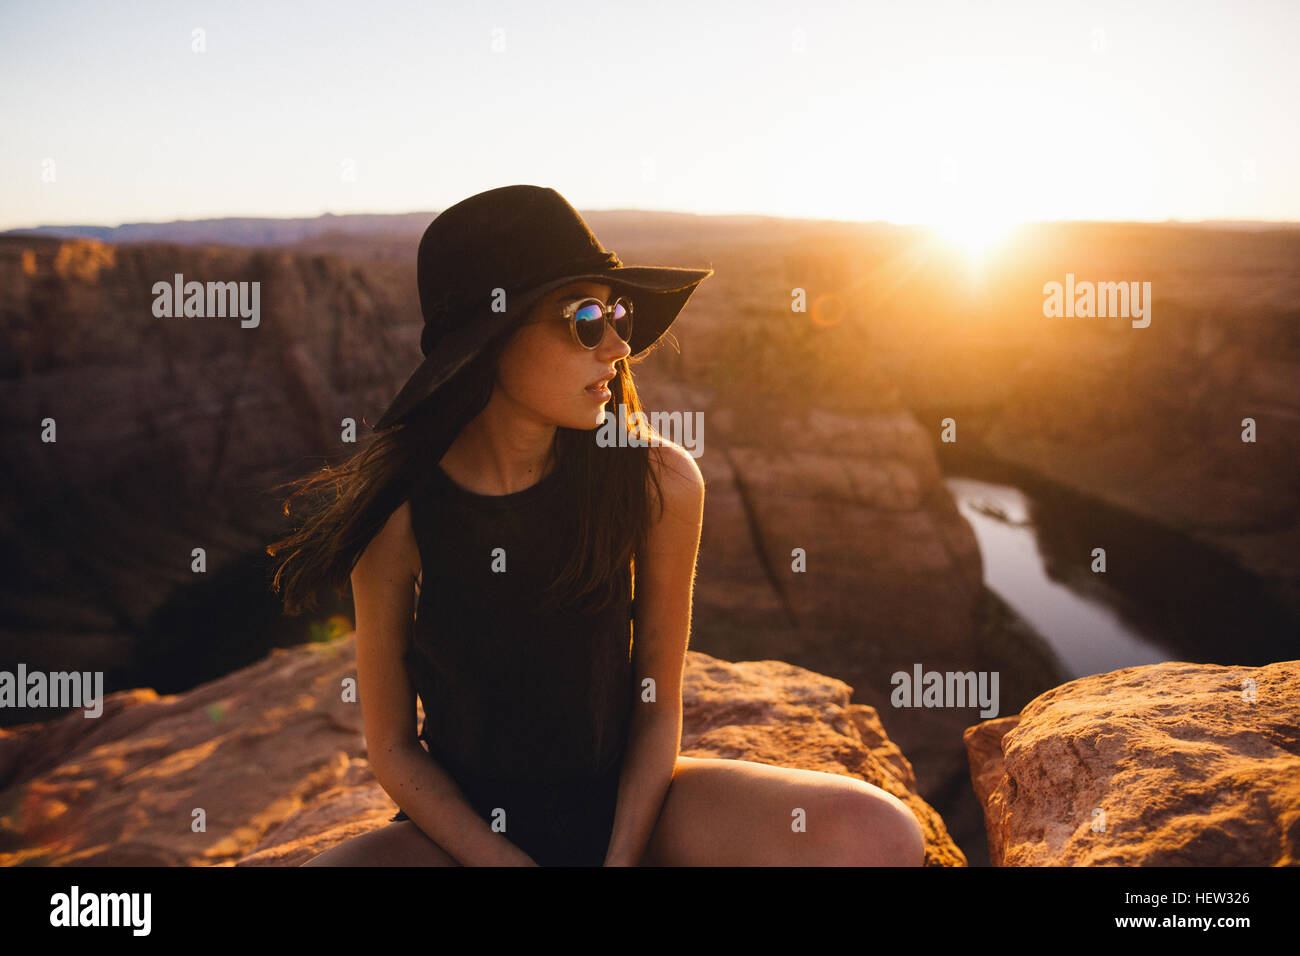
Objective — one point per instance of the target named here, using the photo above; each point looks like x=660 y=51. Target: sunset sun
x=975 y=236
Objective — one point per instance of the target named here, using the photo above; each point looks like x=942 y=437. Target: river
x=1162 y=597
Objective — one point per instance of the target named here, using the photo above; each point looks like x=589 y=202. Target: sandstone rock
x=1171 y=758
x=276 y=760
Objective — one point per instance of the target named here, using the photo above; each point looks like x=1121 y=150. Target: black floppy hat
x=525 y=241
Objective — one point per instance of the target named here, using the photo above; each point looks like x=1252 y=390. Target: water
x=1088 y=634
x=1163 y=597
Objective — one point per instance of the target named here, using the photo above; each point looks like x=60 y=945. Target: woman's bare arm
x=383 y=592
x=665 y=577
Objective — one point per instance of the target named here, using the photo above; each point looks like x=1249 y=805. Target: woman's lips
x=600 y=391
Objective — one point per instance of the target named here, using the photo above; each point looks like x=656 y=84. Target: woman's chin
x=594 y=417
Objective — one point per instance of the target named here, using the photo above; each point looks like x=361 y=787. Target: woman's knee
x=876 y=828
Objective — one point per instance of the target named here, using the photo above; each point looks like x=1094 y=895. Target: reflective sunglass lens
x=590 y=322
x=623 y=319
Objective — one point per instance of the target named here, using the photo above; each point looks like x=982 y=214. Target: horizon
x=1173 y=221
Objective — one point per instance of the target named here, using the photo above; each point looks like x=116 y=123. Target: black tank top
x=512 y=694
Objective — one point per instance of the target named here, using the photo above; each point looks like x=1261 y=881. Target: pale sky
x=941 y=112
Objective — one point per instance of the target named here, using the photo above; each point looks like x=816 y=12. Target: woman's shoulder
x=679 y=475
x=394 y=549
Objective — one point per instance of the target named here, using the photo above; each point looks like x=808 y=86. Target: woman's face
x=545 y=372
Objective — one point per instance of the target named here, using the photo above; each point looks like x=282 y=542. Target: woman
x=546 y=552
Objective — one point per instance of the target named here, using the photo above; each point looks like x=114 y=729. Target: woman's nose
x=623 y=349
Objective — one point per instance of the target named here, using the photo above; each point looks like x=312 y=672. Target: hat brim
x=669 y=288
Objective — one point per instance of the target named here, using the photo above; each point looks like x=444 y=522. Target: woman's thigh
x=723 y=812
x=398 y=844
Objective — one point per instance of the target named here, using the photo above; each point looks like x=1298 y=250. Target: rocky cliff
x=267 y=766
x=171 y=433
x=1169 y=764
x=1150 y=419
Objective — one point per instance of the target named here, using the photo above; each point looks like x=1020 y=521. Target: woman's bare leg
x=727 y=812
x=401 y=843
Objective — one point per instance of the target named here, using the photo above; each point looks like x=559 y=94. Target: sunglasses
x=588 y=315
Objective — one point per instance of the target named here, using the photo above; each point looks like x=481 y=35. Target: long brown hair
x=350 y=502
